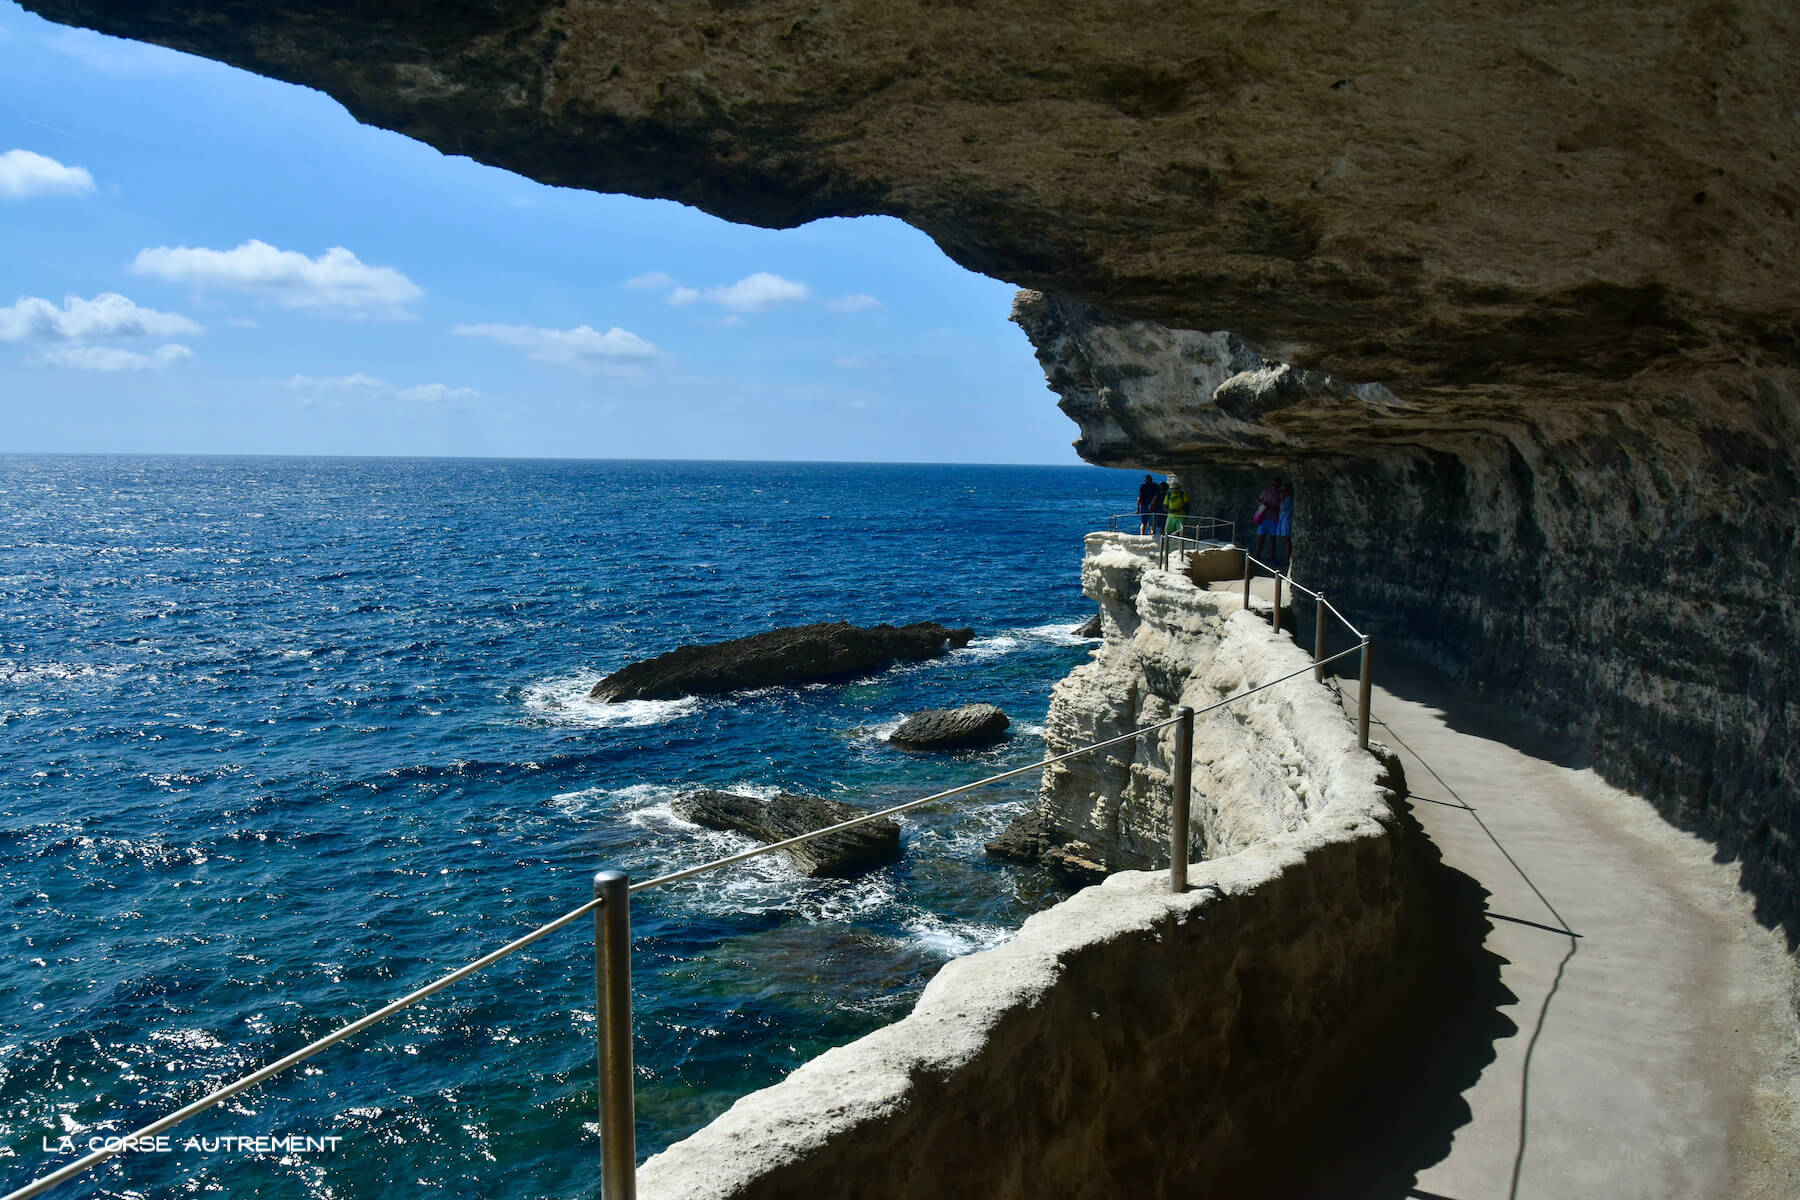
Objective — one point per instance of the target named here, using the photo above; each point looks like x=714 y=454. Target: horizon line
x=229 y=454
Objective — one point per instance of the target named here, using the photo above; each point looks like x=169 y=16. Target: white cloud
x=337 y=383
x=857 y=302
x=23 y=174
x=582 y=346
x=112 y=358
x=108 y=315
x=731 y=321
x=335 y=283
x=683 y=295
x=243 y=322
x=651 y=279
x=335 y=389
x=858 y=362
x=437 y=393
x=758 y=293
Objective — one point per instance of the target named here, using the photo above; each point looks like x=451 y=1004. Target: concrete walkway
x=1623 y=1027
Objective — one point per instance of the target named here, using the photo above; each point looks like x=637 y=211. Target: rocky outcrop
x=952 y=728
x=1034 y=839
x=797 y=654
x=1169 y=642
x=843 y=854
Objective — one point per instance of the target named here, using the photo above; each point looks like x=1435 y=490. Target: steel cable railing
x=611 y=904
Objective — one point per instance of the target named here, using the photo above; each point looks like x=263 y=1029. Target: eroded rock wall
x=1626 y=581
x=1261 y=767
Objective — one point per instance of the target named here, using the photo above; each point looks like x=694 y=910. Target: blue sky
x=195 y=259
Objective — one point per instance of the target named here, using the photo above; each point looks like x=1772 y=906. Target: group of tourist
x=1162 y=507
x=1274 y=521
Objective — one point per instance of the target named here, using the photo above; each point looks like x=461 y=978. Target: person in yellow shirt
x=1178 y=507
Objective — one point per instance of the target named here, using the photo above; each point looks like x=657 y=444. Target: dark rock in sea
x=1026 y=840
x=1089 y=628
x=851 y=852
x=797 y=654
x=951 y=728
x=1032 y=839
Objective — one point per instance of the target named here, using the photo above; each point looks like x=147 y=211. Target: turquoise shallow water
x=283 y=739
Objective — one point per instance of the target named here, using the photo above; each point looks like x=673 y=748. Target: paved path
x=1638 y=1041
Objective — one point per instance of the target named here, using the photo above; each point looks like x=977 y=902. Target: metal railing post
x=1319 y=638
x=1247 y=563
x=1181 y=788
x=1362 y=697
x=612 y=1035
x=1278 y=602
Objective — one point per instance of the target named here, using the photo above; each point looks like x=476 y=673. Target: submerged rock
x=952 y=728
x=851 y=852
x=796 y=654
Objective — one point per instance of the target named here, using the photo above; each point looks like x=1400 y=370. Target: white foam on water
x=951 y=938
x=875 y=735
x=1060 y=634
x=993 y=646
x=564 y=701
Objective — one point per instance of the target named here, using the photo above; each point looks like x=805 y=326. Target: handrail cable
x=1275 y=570
x=219 y=1095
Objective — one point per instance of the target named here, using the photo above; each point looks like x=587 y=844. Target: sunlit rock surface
x=1545 y=253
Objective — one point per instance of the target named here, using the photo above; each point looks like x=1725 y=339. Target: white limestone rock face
x=1260 y=765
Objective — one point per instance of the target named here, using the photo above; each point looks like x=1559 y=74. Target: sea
x=282 y=739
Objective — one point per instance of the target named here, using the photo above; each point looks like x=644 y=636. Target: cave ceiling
x=1523 y=205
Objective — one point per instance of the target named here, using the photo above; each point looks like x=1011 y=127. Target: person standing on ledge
x=1284 y=526
x=1268 y=512
x=1146 y=504
x=1177 y=504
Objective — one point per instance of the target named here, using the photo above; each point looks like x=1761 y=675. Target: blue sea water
x=281 y=739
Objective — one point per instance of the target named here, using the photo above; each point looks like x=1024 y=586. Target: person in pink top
x=1268 y=512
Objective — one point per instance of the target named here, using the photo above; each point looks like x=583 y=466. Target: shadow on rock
x=1394 y=1112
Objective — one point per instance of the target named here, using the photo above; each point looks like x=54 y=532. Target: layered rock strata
x=1625 y=579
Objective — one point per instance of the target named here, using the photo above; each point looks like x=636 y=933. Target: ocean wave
x=1060 y=634
x=564 y=701
x=992 y=646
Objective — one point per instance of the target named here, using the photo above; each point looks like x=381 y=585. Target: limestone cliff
x=1560 y=239
x=1626 y=583
x=1261 y=767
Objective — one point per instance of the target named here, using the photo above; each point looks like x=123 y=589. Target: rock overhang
x=1527 y=206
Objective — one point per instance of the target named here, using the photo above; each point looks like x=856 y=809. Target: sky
x=194 y=259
